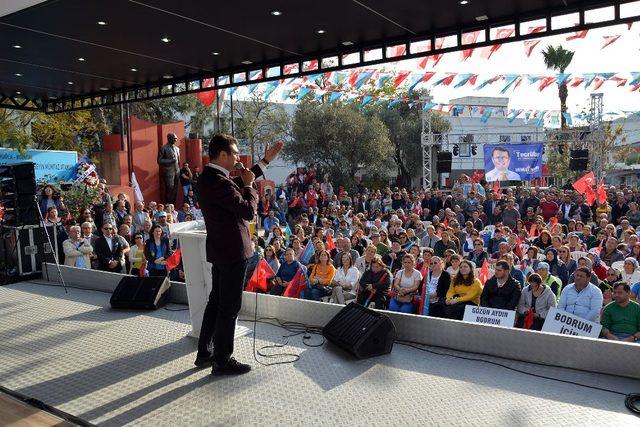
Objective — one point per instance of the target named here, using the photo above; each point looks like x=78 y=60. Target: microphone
x=239 y=166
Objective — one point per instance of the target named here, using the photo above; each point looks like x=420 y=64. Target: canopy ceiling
x=61 y=55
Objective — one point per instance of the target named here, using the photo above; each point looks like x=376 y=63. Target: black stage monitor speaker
x=361 y=331
x=578 y=160
x=146 y=293
x=443 y=162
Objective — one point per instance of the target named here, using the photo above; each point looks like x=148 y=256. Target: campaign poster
x=512 y=162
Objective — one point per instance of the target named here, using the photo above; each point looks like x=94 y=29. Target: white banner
x=561 y=322
x=489 y=316
x=136 y=188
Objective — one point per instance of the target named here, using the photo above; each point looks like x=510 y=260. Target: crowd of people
x=112 y=235
x=427 y=252
x=433 y=252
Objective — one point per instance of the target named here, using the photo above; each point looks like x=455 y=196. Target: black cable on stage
x=45 y=407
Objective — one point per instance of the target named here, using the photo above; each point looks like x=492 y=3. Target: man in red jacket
x=227 y=207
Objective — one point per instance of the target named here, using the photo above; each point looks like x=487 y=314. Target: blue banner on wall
x=51 y=166
x=512 y=162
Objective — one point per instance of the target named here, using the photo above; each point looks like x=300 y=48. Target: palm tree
x=558 y=58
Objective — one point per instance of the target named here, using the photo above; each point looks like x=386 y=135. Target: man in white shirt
x=501 y=159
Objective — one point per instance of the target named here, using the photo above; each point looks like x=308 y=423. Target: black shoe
x=232 y=367
x=203 y=361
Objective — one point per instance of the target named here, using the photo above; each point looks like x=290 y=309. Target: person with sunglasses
x=108 y=250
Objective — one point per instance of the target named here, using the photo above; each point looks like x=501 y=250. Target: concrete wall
x=587 y=354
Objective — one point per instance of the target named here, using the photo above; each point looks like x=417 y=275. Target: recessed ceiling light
x=18 y=92
x=482 y=18
x=320 y=31
x=18 y=74
x=81 y=59
x=215 y=53
x=52 y=97
x=463 y=2
x=17 y=46
x=276 y=13
x=347 y=43
x=104 y=88
x=167 y=76
x=165 y=39
x=247 y=62
x=134 y=69
x=69 y=83
x=102 y=23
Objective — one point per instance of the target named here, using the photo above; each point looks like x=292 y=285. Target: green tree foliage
x=558 y=59
x=260 y=122
x=339 y=140
x=75 y=131
x=405 y=128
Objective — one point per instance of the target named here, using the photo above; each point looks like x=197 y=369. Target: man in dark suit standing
x=108 y=250
x=227 y=206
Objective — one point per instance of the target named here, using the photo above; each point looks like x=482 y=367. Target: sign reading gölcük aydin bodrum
x=52 y=166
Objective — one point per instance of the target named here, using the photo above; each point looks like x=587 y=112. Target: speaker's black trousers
x=219 y=319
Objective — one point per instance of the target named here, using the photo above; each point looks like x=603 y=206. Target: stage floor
x=114 y=368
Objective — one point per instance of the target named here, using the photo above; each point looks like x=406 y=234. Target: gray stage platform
x=116 y=368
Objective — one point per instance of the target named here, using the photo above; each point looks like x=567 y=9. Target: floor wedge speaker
x=361 y=331
x=147 y=293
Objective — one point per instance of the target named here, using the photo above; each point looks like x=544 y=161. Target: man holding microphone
x=227 y=207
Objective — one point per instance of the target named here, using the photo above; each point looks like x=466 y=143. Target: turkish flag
x=297 y=284
x=608 y=40
x=143 y=270
x=578 y=35
x=402 y=75
x=601 y=193
x=258 y=279
x=529 y=45
x=586 y=181
x=174 y=260
x=496 y=186
x=469 y=38
x=331 y=245
x=484 y=272
x=502 y=33
x=590 y=195
x=532 y=231
x=528 y=319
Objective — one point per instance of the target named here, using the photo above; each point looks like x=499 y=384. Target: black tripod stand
x=53 y=249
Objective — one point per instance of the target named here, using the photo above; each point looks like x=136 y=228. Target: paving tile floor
x=118 y=368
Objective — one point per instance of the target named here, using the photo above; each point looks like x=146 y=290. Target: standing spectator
x=510 y=214
x=537 y=298
x=405 y=284
x=582 y=298
x=502 y=291
x=465 y=289
x=108 y=250
x=77 y=250
x=156 y=251
x=186 y=178
x=50 y=198
x=139 y=217
x=621 y=317
x=136 y=255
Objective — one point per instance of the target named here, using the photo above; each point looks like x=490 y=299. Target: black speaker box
x=147 y=293
x=578 y=160
x=443 y=162
x=361 y=331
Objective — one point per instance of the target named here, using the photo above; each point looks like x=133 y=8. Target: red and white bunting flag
x=620 y=81
x=545 y=82
x=529 y=45
x=576 y=81
x=502 y=33
x=578 y=35
x=469 y=38
x=597 y=82
x=537 y=29
x=607 y=40
x=402 y=75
